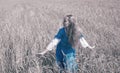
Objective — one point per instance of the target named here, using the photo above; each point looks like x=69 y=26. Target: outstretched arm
x=54 y=42
x=84 y=43
x=50 y=46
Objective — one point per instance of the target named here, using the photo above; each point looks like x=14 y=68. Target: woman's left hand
x=91 y=47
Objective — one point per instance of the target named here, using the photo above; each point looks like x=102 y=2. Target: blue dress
x=65 y=53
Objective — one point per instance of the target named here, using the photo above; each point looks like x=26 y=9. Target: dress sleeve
x=83 y=42
x=53 y=43
x=59 y=34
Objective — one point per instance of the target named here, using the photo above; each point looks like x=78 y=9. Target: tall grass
x=26 y=30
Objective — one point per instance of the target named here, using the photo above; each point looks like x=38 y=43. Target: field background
x=27 y=27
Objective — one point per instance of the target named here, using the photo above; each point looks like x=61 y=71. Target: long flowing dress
x=65 y=53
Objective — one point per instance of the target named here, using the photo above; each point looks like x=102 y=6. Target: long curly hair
x=70 y=29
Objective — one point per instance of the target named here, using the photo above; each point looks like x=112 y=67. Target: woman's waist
x=64 y=45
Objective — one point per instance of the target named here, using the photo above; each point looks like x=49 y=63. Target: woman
x=66 y=40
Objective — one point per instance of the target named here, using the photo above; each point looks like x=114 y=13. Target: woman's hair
x=70 y=29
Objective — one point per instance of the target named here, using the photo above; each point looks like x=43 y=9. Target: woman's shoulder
x=61 y=29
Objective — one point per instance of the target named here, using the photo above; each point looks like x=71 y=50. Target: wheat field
x=27 y=27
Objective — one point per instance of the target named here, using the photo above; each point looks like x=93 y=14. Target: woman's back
x=63 y=47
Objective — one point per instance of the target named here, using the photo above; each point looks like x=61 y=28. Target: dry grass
x=26 y=29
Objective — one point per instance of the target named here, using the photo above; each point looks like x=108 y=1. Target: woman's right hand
x=40 y=54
